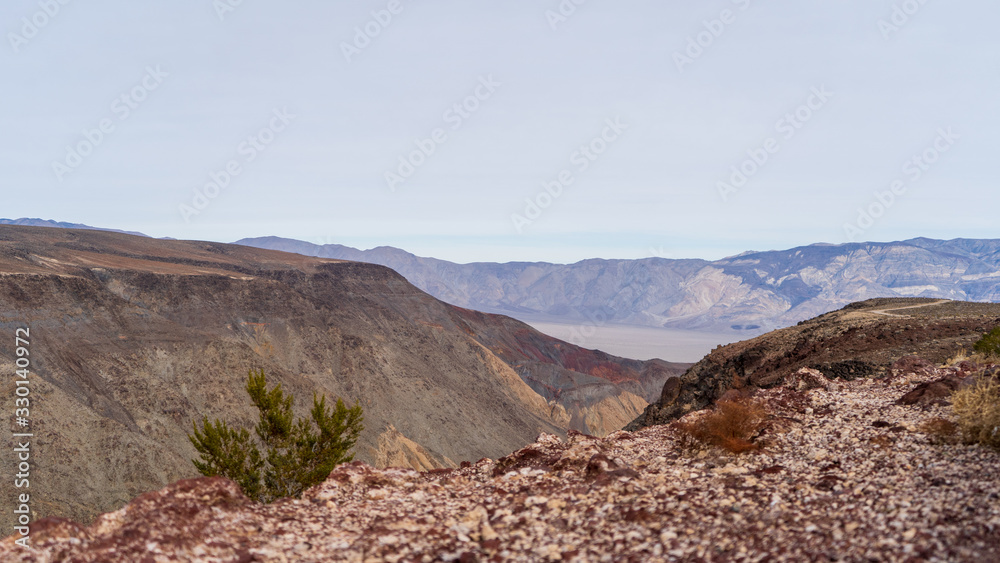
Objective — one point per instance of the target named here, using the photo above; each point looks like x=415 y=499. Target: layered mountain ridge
x=747 y=294
x=132 y=339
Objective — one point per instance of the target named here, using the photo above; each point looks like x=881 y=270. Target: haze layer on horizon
x=486 y=131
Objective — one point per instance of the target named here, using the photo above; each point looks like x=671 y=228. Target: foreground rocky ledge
x=845 y=476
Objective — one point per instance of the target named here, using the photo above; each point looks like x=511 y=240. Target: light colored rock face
x=613 y=413
x=770 y=289
x=517 y=389
x=843 y=475
x=396 y=450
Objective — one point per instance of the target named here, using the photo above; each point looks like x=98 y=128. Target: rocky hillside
x=133 y=338
x=752 y=292
x=860 y=340
x=846 y=473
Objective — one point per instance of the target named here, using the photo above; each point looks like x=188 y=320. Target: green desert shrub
x=295 y=455
x=989 y=344
x=977 y=408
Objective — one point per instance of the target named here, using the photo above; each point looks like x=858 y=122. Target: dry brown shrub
x=965 y=355
x=960 y=356
x=731 y=425
x=881 y=441
x=978 y=410
x=939 y=429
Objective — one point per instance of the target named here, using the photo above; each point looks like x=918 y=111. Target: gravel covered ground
x=844 y=475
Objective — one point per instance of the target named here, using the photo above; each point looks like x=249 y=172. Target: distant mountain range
x=747 y=294
x=24 y=221
x=752 y=292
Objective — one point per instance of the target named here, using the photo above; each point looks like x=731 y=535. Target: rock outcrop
x=945 y=380
x=861 y=340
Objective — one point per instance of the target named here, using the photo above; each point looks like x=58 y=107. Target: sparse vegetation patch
x=989 y=344
x=978 y=410
x=732 y=425
x=295 y=456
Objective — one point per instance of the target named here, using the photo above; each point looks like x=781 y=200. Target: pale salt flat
x=639 y=342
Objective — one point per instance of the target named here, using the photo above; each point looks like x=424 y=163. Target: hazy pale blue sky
x=311 y=103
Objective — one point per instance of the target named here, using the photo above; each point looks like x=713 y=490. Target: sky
x=481 y=130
